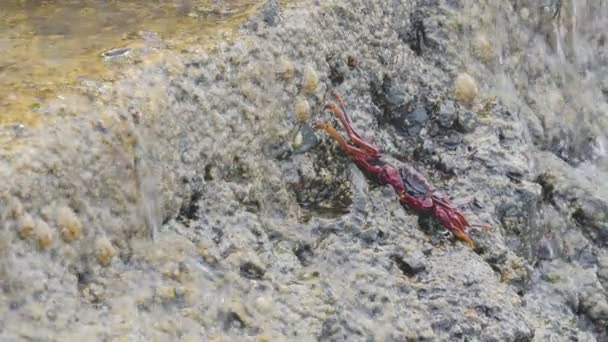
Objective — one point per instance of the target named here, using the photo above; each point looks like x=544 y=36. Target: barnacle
x=104 y=251
x=69 y=224
x=310 y=79
x=465 y=89
x=26 y=226
x=302 y=109
x=44 y=235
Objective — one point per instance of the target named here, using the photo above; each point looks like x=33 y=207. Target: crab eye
x=446 y=234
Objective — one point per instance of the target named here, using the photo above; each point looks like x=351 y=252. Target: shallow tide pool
x=49 y=46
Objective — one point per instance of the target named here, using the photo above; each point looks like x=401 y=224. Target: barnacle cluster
x=42 y=229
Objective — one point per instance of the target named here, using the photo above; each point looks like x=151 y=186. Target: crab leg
x=352 y=134
x=354 y=152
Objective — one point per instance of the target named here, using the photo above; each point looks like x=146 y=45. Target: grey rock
x=447 y=114
x=467 y=121
x=271 y=12
x=545 y=250
x=304 y=139
x=254 y=237
x=415 y=120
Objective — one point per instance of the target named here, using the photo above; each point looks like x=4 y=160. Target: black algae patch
x=251 y=271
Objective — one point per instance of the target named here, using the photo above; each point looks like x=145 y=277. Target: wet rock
x=278 y=151
x=304 y=253
x=467 y=121
x=573 y=145
x=596 y=307
x=393 y=101
x=409 y=265
x=545 y=250
x=446 y=114
x=415 y=121
x=416 y=36
x=189 y=209
x=331 y=193
x=453 y=140
x=337 y=69
x=235 y=101
x=233 y=321
x=251 y=271
x=304 y=139
x=334 y=329
x=271 y=12
x=373 y=236
x=520 y=219
x=592 y=216
x=603 y=268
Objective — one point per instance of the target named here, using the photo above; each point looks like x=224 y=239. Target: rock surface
x=198 y=219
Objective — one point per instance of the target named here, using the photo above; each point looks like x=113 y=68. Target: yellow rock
x=302 y=109
x=44 y=235
x=465 y=89
x=104 y=251
x=69 y=224
x=26 y=226
x=310 y=80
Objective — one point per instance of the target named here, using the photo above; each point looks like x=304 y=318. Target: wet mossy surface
x=204 y=217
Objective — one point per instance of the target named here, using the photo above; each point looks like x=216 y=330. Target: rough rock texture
x=207 y=209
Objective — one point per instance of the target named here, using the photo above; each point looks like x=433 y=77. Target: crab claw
x=464 y=237
x=455 y=222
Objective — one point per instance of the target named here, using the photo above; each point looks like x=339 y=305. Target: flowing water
x=49 y=46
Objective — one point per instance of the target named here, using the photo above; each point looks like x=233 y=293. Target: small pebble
x=116 y=52
x=465 y=89
x=104 y=251
x=310 y=80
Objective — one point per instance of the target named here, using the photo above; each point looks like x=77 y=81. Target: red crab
x=414 y=191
